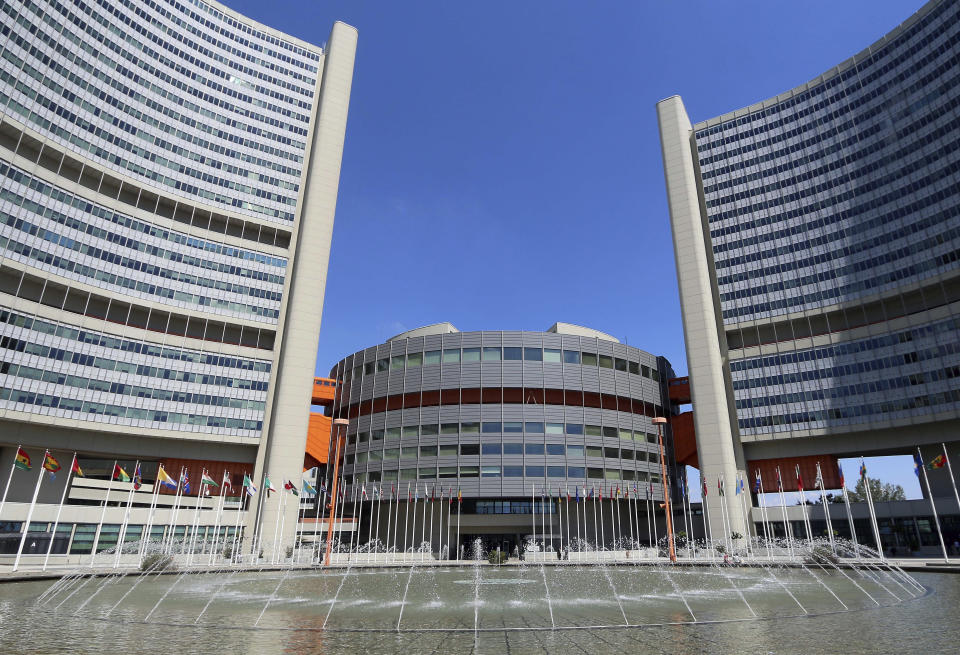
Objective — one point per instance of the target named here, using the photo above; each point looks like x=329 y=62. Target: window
x=509 y=472
x=362 y=457
x=556 y=471
x=448 y=450
x=431 y=357
x=449 y=428
x=576 y=472
x=382 y=365
x=589 y=359
x=447 y=472
x=635 y=368
x=430 y=430
x=593 y=430
x=513 y=354
x=411 y=431
x=414 y=360
x=611 y=452
x=620 y=364
x=470 y=449
x=533 y=427
x=612 y=474
x=490 y=449
x=469 y=428
x=627 y=474
x=376 y=435
x=426 y=473
x=391 y=454
x=645 y=370
x=491 y=354
x=552 y=355
x=490 y=472
x=408 y=452
x=554 y=428
x=513 y=427
x=396 y=363
x=513 y=449
x=392 y=433
x=534 y=448
x=610 y=432
x=390 y=476
x=369 y=368
x=533 y=354
x=376 y=455
x=626 y=454
x=408 y=474
x=571 y=357
x=595 y=473
x=471 y=354
x=555 y=449
x=574 y=451
x=469 y=471
x=535 y=471
x=594 y=451
x=348 y=459
x=363 y=437
x=428 y=451
x=451 y=355
x=653 y=457
x=626 y=434
x=655 y=375
x=491 y=427
x=574 y=428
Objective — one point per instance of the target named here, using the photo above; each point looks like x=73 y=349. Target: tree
x=881 y=492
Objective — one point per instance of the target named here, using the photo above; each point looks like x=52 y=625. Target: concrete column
x=718 y=444
x=281 y=455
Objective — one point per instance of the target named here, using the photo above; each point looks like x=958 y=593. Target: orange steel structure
x=318 y=434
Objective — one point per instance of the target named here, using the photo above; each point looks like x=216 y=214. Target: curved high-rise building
x=507 y=422
x=817 y=240
x=168 y=180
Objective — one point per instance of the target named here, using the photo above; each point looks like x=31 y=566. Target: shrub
x=227 y=552
x=157 y=562
x=497 y=557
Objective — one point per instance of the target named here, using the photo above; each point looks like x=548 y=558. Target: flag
x=819 y=480
x=720 y=489
x=779 y=480
x=683 y=489
x=50 y=463
x=863 y=468
x=307 y=489
x=248 y=485
x=576 y=491
x=76 y=467
x=703 y=479
x=323 y=488
x=459 y=496
x=137 y=478
x=227 y=483
x=22 y=461
x=185 y=481
x=268 y=486
x=591 y=493
x=799 y=479
x=206 y=479
x=291 y=487
x=363 y=491
x=756 y=483
x=741 y=484
x=164 y=478
x=917 y=464
x=938 y=462
x=120 y=474
x=842 y=482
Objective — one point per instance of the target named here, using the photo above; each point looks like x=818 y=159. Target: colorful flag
x=227 y=483
x=268 y=486
x=703 y=478
x=248 y=485
x=799 y=479
x=291 y=487
x=863 y=468
x=938 y=462
x=363 y=491
x=756 y=483
x=164 y=478
x=576 y=491
x=308 y=489
x=22 y=461
x=76 y=467
x=120 y=474
x=779 y=480
x=185 y=481
x=818 y=482
x=459 y=496
x=206 y=479
x=137 y=478
x=840 y=469
x=917 y=464
x=50 y=463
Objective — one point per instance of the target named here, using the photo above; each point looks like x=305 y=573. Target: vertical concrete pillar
x=718 y=444
x=281 y=454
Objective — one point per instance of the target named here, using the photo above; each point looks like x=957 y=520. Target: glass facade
x=834 y=222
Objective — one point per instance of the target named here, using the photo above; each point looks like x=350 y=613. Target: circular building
x=516 y=432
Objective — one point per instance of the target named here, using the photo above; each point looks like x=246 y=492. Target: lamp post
x=337 y=424
x=659 y=421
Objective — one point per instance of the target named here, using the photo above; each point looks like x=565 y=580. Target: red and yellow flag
x=50 y=463
x=938 y=462
x=23 y=460
x=76 y=467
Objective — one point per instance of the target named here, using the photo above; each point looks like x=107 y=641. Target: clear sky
x=502 y=167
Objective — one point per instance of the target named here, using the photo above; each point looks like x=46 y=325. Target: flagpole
x=449 y=507
x=745 y=508
x=256 y=540
x=432 y=490
x=356 y=519
x=579 y=540
x=787 y=527
x=217 y=518
x=933 y=506
x=543 y=522
x=603 y=536
x=826 y=508
x=386 y=543
x=360 y=515
x=559 y=507
x=406 y=521
x=704 y=514
x=596 y=537
x=56 y=522
x=653 y=515
x=33 y=503
x=276 y=526
x=566 y=507
x=319 y=500
x=803 y=504
x=103 y=512
x=723 y=512
x=423 y=523
x=459 y=508
x=873 y=514
x=235 y=543
x=174 y=510
x=196 y=516
x=150 y=514
x=376 y=553
x=687 y=525
x=126 y=517
x=13 y=467
x=846 y=502
x=953 y=480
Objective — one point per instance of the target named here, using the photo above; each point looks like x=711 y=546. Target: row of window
x=133 y=241
x=450 y=472
x=131 y=346
x=506 y=428
x=41 y=256
x=856 y=411
x=948 y=326
x=495 y=449
x=507 y=353
x=89 y=410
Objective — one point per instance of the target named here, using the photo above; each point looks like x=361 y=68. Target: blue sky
x=502 y=167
